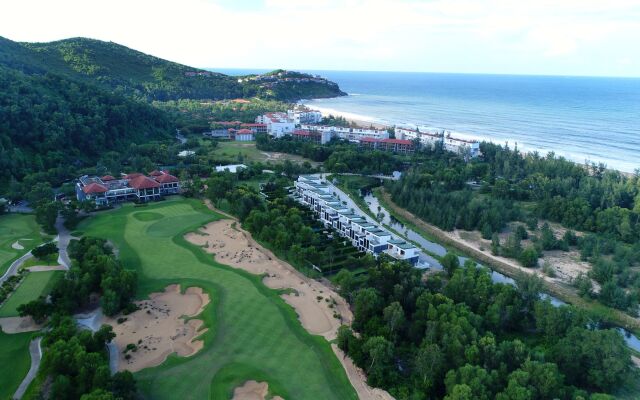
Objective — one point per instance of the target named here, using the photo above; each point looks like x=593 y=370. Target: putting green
x=34 y=285
x=14 y=362
x=21 y=228
x=253 y=333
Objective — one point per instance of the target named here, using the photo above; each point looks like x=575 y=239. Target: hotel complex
x=365 y=236
x=449 y=143
x=131 y=187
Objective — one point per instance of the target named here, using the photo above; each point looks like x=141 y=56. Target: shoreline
x=363 y=122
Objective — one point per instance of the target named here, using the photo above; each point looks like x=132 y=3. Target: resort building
x=461 y=146
x=399 y=146
x=241 y=135
x=278 y=124
x=347 y=133
x=366 y=236
x=312 y=136
x=131 y=187
x=303 y=115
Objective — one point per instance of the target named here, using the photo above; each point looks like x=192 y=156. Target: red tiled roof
x=166 y=178
x=143 y=182
x=94 y=188
x=301 y=132
x=132 y=175
x=254 y=125
x=245 y=131
x=108 y=178
x=397 y=141
x=369 y=139
x=155 y=173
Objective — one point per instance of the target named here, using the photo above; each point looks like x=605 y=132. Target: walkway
x=35 y=350
x=13 y=268
x=63 y=239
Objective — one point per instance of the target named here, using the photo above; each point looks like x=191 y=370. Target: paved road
x=36 y=356
x=63 y=242
x=93 y=321
x=13 y=268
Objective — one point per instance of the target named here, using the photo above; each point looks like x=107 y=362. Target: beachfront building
x=312 y=136
x=366 y=236
x=347 y=133
x=278 y=124
x=466 y=147
x=399 y=146
x=303 y=115
x=131 y=187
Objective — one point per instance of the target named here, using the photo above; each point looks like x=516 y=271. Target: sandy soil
x=42 y=268
x=19 y=325
x=252 y=390
x=16 y=245
x=158 y=328
x=311 y=299
x=358 y=379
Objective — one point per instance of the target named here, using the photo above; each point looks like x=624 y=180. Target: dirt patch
x=42 y=268
x=320 y=309
x=158 y=328
x=19 y=325
x=17 y=246
x=358 y=379
x=252 y=390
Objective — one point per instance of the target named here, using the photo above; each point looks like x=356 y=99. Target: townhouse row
x=364 y=235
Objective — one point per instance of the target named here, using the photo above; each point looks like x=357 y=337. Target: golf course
x=19 y=233
x=252 y=334
x=34 y=285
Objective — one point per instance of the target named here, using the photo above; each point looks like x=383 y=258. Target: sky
x=547 y=37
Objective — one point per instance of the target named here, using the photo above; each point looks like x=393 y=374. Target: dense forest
x=76 y=364
x=459 y=336
x=51 y=126
x=506 y=185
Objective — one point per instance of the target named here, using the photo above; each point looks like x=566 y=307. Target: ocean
x=581 y=118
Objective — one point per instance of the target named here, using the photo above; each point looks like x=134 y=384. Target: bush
x=44 y=250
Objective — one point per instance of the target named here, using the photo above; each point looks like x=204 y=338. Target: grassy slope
x=14 y=362
x=33 y=285
x=229 y=151
x=14 y=227
x=252 y=333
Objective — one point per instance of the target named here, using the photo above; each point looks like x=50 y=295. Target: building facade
x=347 y=133
x=399 y=146
x=466 y=147
x=131 y=187
x=366 y=236
x=277 y=124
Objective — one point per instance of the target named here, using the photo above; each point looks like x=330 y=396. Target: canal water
x=387 y=219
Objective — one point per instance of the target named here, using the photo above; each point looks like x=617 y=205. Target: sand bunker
x=19 y=325
x=320 y=309
x=157 y=329
x=16 y=245
x=252 y=390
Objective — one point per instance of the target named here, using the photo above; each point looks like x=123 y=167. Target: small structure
x=233 y=168
x=241 y=135
x=186 y=153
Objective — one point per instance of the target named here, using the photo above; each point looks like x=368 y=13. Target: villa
x=130 y=187
x=364 y=235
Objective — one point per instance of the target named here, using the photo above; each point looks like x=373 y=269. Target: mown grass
x=34 y=285
x=17 y=227
x=50 y=260
x=253 y=333
x=14 y=362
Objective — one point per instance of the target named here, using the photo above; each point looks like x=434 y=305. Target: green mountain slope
x=119 y=68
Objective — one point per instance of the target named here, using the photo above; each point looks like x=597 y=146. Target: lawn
x=14 y=362
x=17 y=227
x=253 y=333
x=33 y=285
x=246 y=152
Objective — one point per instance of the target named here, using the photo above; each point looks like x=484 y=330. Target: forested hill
x=52 y=126
x=119 y=68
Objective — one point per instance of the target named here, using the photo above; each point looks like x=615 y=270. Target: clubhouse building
x=130 y=187
x=364 y=235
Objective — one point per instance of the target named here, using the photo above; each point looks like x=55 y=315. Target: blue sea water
x=581 y=118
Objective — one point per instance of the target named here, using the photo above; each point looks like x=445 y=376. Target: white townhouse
x=364 y=235
x=278 y=124
x=470 y=147
x=462 y=146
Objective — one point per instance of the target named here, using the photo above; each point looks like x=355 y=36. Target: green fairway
x=253 y=333
x=33 y=285
x=17 y=227
x=14 y=362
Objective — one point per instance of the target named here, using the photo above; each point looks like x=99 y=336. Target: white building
x=364 y=235
x=233 y=168
x=346 y=133
x=431 y=138
x=304 y=116
x=278 y=124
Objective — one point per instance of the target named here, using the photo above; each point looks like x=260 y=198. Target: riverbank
x=562 y=292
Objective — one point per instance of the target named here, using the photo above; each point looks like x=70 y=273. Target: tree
x=450 y=263
x=583 y=283
x=46 y=215
x=529 y=257
x=379 y=351
x=44 y=250
x=393 y=315
x=367 y=303
x=344 y=280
